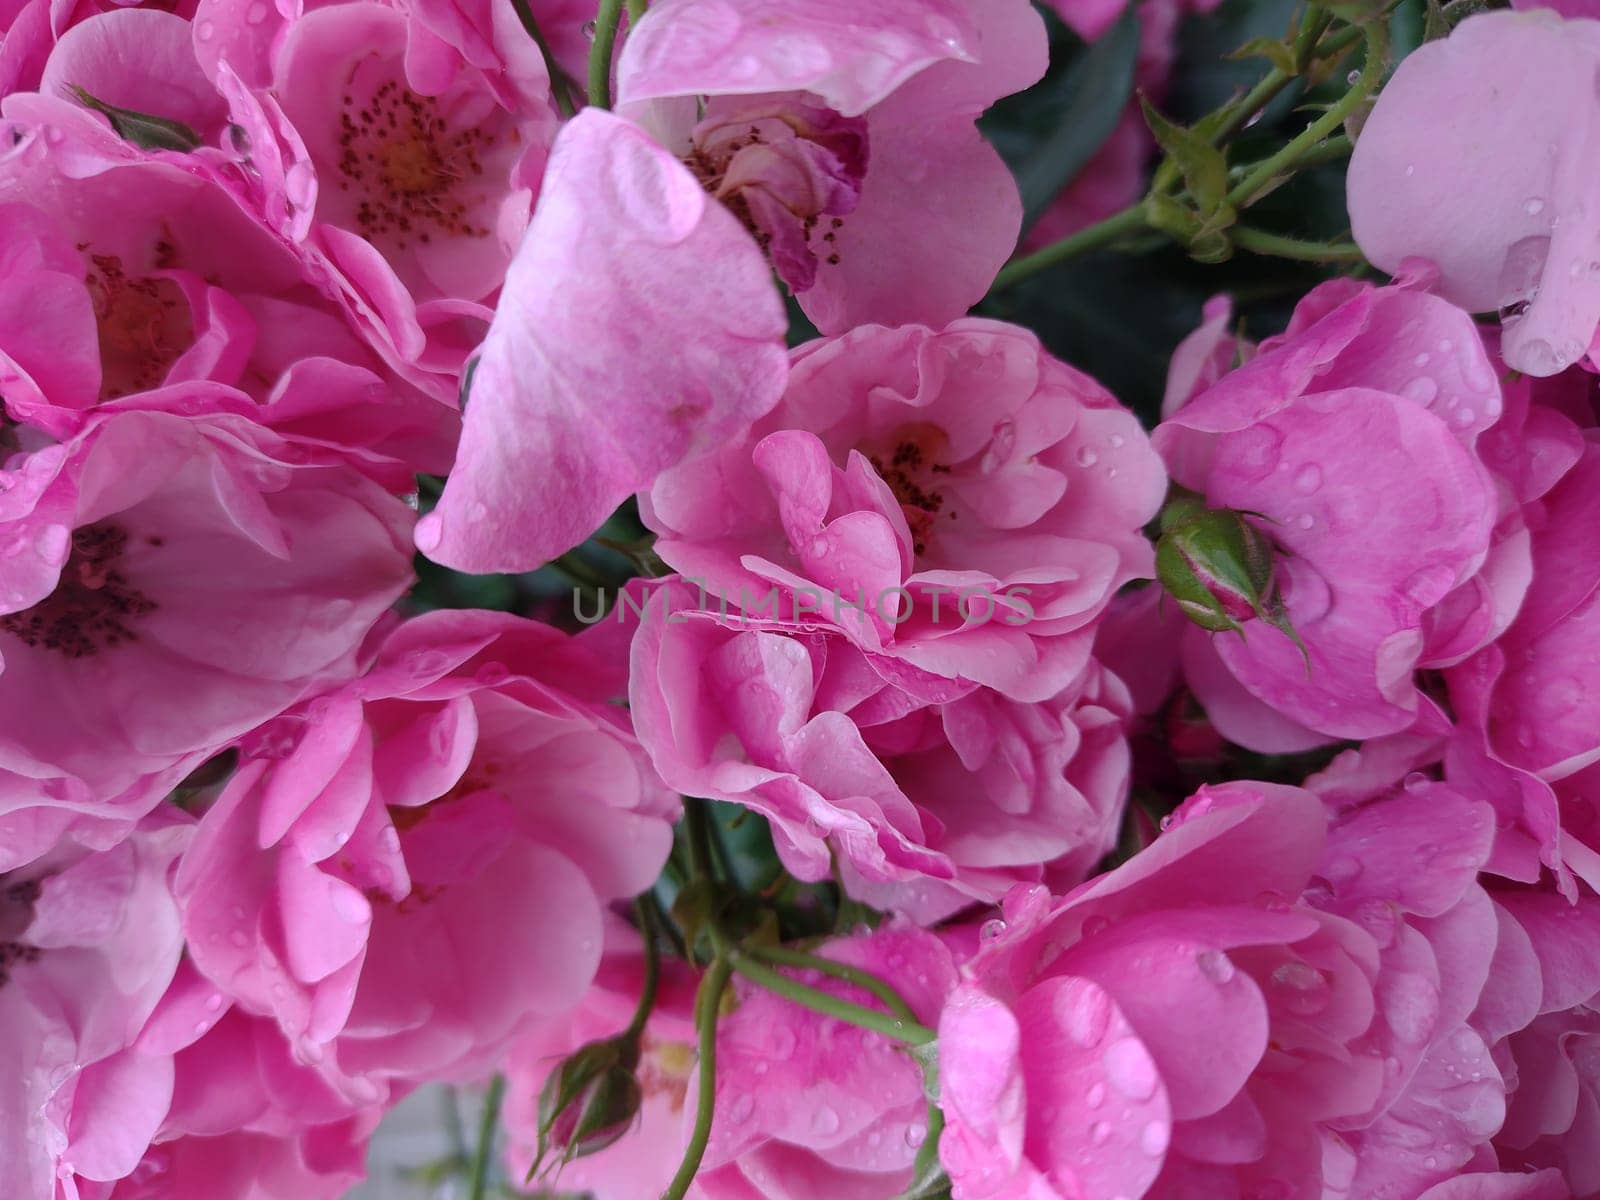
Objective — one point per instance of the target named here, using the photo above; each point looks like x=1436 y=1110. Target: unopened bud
x=590 y=1101
x=1217 y=566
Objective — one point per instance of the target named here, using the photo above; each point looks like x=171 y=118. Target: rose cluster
x=973 y=792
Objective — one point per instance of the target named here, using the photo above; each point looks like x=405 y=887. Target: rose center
x=16 y=912
x=912 y=469
x=399 y=154
x=790 y=173
x=93 y=607
x=143 y=324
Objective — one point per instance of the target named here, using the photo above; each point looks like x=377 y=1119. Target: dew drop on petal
x=1130 y=1069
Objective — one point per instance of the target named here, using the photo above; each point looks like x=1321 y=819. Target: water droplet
x=300 y=185
x=1153 y=1141
x=1115 y=441
x=1084 y=1010
x=990 y=930
x=1100 y=1132
x=1308 y=479
x=1001 y=443
x=741 y=1107
x=1411 y=169
x=238 y=938
x=1533 y=206
x=589 y=28
x=1301 y=988
x=204 y=31
x=916 y=1135
x=1465 y=416
x=1420 y=360
x=1421 y=389
x=1305 y=520
x=783 y=1042
x=1087 y=457
x=429 y=533
x=255 y=14
x=52 y=544
x=1130 y=1069
x=1095 y=1096
x=825 y=1121
x=214 y=1002
x=1214 y=965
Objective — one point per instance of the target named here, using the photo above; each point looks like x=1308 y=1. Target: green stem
x=644 y=912
x=702 y=866
x=1265 y=172
x=896 y=1028
x=1129 y=220
x=1260 y=242
x=635 y=12
x=479 y=1185
x=558 y=77
x=784 y=956
x=1313 y=25
x=605 y=39
x=707 y=1002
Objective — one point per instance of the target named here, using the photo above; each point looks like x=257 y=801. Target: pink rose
x=926 y=801
x=473 y=798
x=1516 y=236
x=955 y=502
x=844 y=140
x=1350 y=439
x=172 y=582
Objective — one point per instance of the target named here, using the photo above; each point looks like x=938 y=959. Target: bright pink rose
x=1245 y=1007
x=88 y=946
x=130 y=280
x=166 y=584
x=844 y=140
x=808 y=1106
x=1351 y=439
x=567 y=416
x=927 y=802
x=956 y=502
x=404 y=148
x=1516 y=236
x=475 y=799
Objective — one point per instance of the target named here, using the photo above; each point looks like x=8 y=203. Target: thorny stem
x=1260 y=242
x=1102 y=233
x=1266 y=171
x=1314 y=144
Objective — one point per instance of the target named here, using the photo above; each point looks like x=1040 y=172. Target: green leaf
x=143 y=130
x=1274 y=50
x=1088 y=100
x=1204 y=167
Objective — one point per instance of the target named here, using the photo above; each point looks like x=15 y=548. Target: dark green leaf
x=143 y=130
x=1089 y=98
